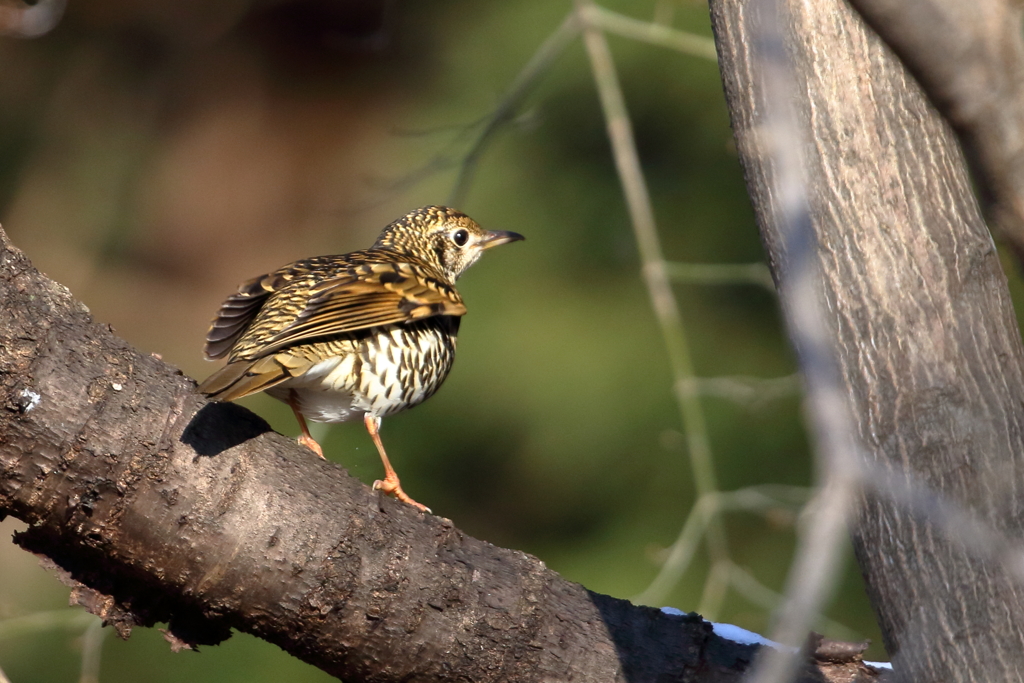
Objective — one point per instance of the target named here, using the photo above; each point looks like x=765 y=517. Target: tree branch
x=921 y=320
x=160 y=507
x=969 y=58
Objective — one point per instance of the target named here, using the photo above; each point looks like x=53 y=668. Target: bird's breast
x=381 y=372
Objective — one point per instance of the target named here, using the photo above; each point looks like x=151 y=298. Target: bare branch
x=524 y=82
x=650 y=32
x=815 y=570
x=482 y=131
x=655 y=274
x=747 y=391
x=160 y=507
x=44 y=621
x=920 y=321
x=92 y=651
x=721 y=273
x=957 y=524
x=707 y=509
x=747 y=585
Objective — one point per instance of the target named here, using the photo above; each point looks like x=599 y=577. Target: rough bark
x=969 y=58
x=921 y=320
x=159 y=507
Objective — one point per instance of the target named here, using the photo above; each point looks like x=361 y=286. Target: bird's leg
x=390 y=484
x=304 y=440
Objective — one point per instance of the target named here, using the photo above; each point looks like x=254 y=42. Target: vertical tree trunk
x=921 y=319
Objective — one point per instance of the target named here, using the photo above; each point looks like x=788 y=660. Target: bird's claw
x=392 y=488
x=310 y=443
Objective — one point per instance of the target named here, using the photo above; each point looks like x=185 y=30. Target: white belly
x=382 y=374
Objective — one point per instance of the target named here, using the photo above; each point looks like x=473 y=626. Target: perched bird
x=366 y=334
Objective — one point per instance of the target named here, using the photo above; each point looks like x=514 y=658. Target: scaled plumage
x=365 y=334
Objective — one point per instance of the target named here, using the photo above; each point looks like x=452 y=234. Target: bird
x=360 y=335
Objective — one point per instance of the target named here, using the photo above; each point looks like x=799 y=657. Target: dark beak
x=496 y=237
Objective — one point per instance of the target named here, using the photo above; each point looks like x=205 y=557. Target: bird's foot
x=393 y=488
x=310 y=443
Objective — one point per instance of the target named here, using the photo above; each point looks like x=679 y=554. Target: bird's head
x=447 y=238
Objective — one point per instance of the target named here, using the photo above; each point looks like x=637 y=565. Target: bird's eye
x=460 y=237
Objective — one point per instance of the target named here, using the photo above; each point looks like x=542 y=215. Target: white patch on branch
x=32 y=399
x=745 y=637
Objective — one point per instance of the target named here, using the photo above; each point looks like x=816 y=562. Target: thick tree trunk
x=158 y=506
x=920 y=316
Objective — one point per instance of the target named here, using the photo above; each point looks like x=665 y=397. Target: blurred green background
x=153 y=154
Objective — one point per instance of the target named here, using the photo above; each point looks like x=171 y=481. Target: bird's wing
x=368 y=295
x=238 y=311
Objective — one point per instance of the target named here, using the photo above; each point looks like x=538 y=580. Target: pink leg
x=390 y=484
x=305 y=440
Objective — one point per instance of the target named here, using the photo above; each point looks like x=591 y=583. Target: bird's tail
x=243 y=377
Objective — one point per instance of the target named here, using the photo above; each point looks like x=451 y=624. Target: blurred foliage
x=153 y=154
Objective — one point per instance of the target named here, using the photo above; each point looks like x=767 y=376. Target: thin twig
x=707 y=509
x=659 y=288
x=44 y=621
x=721 y=274
x=681 y=552
x=812 y=578
x=748 y=391
x=651 y=32
x=716 y=585
x=957 y=524
x=815 y=569
x=524 y=82
x=747 y=585
x=505 y=110
x=92 y=637
x=92 y=649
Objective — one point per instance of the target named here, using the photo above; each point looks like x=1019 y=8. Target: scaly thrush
x=366 y=334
